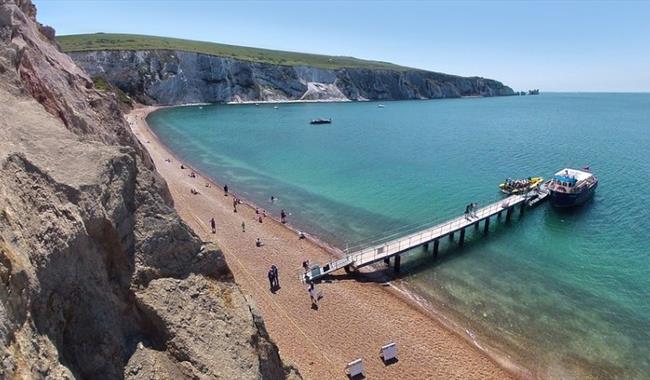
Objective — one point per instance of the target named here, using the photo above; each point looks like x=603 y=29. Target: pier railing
x=386 y=249
x=377 y=251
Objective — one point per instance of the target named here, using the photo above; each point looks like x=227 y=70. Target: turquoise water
x=567 y=294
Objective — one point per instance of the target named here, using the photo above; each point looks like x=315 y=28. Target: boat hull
x=565 y=200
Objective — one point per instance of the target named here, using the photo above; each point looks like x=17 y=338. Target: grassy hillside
x=108 y=41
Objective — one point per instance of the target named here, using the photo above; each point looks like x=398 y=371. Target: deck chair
x=354 y=369
x=388 y=353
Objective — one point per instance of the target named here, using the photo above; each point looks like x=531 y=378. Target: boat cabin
x=569 y=179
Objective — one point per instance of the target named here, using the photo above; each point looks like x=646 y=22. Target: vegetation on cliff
x=111 y=41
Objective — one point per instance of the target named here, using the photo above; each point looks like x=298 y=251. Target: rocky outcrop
x=177 y=77
x=99 y=277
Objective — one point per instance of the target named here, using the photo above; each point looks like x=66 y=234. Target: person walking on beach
x=259 y=219
x=234 y=204
x=272 y=199
x=271 y=281
x=258 y=242
x=243 y=227
x=213 y=224
x=225 y=190
x=276 y=276
x=283 y=217
x=313 y=296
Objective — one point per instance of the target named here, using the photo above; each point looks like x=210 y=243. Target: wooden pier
x=384 y=251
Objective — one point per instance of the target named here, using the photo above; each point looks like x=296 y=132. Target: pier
x=394 y=248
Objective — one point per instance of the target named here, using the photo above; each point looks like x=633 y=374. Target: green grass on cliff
x=107 y=41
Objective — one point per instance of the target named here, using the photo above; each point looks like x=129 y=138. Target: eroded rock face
x=177 y=77
x=94 y=261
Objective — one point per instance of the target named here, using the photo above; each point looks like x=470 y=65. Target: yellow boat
x=518 y=186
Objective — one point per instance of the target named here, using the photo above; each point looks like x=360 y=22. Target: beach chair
x=354 y=369
x=388 y=353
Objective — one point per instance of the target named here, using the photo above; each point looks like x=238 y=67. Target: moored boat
x=519 y=186
x=572 y=187
x=321 y=121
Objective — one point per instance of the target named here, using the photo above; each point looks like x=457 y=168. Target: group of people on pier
x=470 y=210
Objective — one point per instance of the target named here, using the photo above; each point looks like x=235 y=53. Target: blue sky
x=551 y=45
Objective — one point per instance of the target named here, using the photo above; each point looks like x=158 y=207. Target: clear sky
x=551 y=45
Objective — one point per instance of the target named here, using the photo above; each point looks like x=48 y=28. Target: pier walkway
x=384 y=251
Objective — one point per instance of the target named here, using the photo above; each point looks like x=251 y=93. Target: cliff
x=167 y=76
x=99 y=277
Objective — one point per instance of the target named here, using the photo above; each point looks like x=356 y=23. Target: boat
x=520 y=186
x=321 y=121
x=381 y=106
x=572 y=187
x=275 y=107
x=538 y=195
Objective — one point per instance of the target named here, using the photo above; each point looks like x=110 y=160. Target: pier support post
x=508 y=213
x=397 y=263
x=451 y=236
x=476 y=225
x=436 y=244
x=499 y=214
x=387 y=260
x=461 y=240
x=426 y=246
x=523 y=207
x=487 y=225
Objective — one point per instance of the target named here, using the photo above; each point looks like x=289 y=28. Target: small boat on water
x=381 y=106
x=275 y=107
x=321 y=121
x=520 y=186
x=572 y=187
x=538 y=195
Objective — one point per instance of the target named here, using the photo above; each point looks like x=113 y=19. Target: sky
x=550 y=45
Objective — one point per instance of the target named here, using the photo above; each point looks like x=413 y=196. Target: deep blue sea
x=566 y=294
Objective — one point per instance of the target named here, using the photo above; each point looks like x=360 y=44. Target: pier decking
x=394 y=248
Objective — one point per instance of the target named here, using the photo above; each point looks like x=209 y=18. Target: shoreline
x=407 y=300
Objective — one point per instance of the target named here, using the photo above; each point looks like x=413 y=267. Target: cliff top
x=111 y=41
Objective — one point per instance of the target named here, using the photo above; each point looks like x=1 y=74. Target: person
x=466 y=212
x=272 y=199
x=301 y=235
x=193 y=191
x=192 y=175
x=474 y=208
x=182 y=167
x=258 y=243
x=234 y=204
x=271 y=281
x=213 y=224
x=257 y=210
x=225 y=190
x=264 y=213
x=312 y=295
x=243 y=227
x=283 y=217
x=276 y=276
x=259 y=219
x=305 y=265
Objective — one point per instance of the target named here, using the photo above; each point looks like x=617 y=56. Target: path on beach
x=354 y=318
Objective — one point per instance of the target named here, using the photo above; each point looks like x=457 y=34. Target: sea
x=563 y=293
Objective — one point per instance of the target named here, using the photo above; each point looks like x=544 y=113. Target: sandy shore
x=355 y=318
